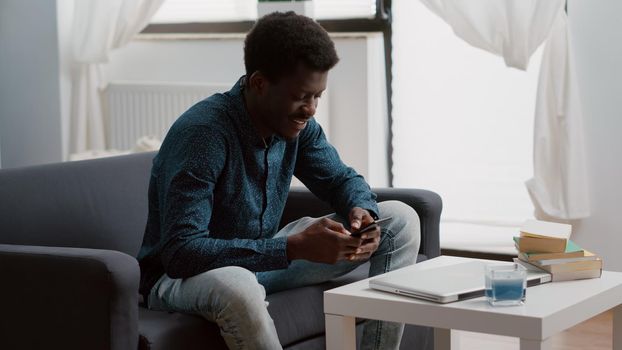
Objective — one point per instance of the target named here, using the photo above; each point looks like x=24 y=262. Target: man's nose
x=310 y=108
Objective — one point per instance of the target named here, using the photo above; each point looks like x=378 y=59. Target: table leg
x=617 y=327
x=445 y=339
x=340 y=332
x=530 y=344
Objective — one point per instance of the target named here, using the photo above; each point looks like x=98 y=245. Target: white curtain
x=99 y=26
x=514 y=29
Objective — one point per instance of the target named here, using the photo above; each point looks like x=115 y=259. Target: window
x=187 y=11
x=338 y=9
x=184 y=11
x=462 y=126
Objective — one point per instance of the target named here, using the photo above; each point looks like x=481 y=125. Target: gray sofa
x=69 y=234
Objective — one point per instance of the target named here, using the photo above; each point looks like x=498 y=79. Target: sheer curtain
x=462 y=126
x=469 y=120
x=99 y=26
x=514 y=29
x=559 y=186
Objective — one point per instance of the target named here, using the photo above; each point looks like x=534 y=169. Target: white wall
x=596 y=28
x=30 y=108
x=358 y=125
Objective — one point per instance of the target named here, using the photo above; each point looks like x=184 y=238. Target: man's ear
x=258 y=82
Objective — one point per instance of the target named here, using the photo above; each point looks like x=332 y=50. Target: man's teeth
x=300 y=121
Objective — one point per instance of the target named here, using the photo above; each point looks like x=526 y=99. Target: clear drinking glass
x=505 y=284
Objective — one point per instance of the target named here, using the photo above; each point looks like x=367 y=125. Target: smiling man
x=219 y=183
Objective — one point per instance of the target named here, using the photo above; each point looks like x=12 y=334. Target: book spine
x=574 y=266
x=576 y=275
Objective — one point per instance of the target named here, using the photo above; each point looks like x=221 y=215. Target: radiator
x=137 y=109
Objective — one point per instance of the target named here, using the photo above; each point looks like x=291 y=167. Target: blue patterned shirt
x=217 y=193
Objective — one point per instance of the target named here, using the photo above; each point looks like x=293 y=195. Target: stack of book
x=546 y=245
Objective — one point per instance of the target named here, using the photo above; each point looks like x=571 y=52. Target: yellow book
x=531 y=244
x=572 y=251
x=564 y=275
x=575 y=275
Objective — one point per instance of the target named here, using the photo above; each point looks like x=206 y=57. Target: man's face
x=291 y=101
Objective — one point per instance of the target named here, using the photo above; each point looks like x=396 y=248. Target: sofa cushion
x=298 y=315
x=99 y=203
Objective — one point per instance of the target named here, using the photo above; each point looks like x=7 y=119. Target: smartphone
x=370 y=227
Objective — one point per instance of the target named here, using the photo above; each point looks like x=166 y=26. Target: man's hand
x=360 y=217
x=326 y=241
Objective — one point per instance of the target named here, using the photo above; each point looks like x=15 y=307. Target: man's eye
x=306 y=97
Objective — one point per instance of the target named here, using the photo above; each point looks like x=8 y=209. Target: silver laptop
x=446 y=284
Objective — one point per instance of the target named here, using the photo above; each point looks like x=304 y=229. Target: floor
x=593 y=334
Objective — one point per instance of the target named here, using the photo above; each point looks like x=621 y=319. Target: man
x=219 y=184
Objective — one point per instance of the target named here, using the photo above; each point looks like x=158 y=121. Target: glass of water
x=506 y=284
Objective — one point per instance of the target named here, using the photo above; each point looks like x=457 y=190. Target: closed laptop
x=445 y=284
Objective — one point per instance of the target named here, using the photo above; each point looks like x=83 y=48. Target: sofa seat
x=295 y=321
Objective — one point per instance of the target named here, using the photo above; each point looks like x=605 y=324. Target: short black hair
x=278 y=42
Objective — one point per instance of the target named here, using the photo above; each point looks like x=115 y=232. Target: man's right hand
x=326 y=241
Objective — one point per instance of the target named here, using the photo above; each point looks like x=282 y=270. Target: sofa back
x=100 y=203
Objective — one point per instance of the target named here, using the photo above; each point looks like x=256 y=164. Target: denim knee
x=405 y=226
x=231 y=288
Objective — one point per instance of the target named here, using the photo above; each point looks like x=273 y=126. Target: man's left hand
x=360 y=217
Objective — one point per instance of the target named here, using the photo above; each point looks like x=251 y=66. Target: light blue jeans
x=234 y=297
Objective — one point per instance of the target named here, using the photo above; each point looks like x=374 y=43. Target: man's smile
x=300 y=123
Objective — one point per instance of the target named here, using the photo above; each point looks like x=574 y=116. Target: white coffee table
x=550 y=308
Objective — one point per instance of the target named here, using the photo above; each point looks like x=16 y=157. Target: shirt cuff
x=277 y=249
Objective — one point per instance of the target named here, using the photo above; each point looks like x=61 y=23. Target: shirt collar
x=248 y=130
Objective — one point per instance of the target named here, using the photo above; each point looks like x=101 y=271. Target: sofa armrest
x=301 y=202
x=428 y=206
x=68 y=298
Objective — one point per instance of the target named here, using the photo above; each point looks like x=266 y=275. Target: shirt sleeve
x=319 y=167
x=190 y=171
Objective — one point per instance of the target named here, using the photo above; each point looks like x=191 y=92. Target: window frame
x=379 y=23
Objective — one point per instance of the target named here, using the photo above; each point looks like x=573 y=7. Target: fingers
x=355 y=220
x=359 y=217
x=352 y=248
x=347 y=253
x=352 y=242
x=367 y=219
x=368 y=247
x=365 y=251
x=343 y=237
x=365 y=245
x=359 y=257
x=334 y=226
x=375 y=233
